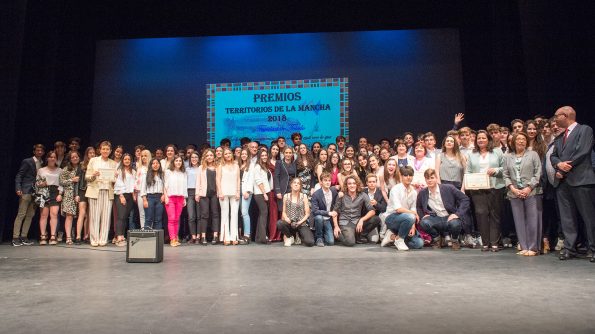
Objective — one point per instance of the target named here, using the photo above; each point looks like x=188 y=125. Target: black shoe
x=361 y=240
x=78 y=241
x=566 y=255
x=26 y=242
x=17 y=242
x=245 y=240
x=592 y=259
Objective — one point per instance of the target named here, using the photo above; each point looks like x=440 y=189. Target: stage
x=273 y=289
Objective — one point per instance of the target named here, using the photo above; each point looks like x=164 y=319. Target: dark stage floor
x=272 y=289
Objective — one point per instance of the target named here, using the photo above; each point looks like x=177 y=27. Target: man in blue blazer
x=440 y=207
x=23 y=183
x=576 y=188
x=323 y=200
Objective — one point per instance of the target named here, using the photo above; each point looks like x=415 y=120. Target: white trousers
x=100 y=214
x=229 y=222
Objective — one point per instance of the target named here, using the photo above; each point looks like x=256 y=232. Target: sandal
x=69 y=241
x=78 y=241
x=43 y=240
x=531 y=253
x=53 y=240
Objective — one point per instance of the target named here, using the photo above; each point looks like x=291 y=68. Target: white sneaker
x=287 y=242
x=400 y=243
x=386 y=239
x=297 y=240
x=478 y=241
x=560 y=245
x=468 y=241
x=292 y=240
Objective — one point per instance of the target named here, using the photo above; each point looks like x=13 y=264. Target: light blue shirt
x=191 y=174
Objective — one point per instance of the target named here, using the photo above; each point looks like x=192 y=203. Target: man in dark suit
x=323 y=200
x=441 y=206
x=377 y=200
x=23 y=183
x=571 y=158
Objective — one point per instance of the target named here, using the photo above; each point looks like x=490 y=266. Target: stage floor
x=273 y=289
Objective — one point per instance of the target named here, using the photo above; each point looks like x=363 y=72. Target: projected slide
x=263 y=111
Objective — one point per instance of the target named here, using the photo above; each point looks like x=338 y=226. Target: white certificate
x=418 y=178
x=107 y=174
x=475 y=181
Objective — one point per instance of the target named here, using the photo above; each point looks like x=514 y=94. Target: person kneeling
x=403 y=215
x=323 y=201
x=296 y=210
x=440 y=206
x=349 y=209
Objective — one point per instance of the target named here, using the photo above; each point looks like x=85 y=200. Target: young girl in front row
x=175 y=192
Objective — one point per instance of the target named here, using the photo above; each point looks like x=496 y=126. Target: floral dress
x=69 y=205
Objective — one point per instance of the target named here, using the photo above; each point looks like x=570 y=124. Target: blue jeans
x=324 y=228
x=400 y=224
x=154 y=213
x=436 y=226
x=245 y=207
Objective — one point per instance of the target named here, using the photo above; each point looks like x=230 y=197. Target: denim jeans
x=245 y=207
x=400 y=224
x=324 y=229
x=436 y=226
x=154 y=213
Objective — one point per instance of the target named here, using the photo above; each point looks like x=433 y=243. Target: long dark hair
x=70 y=166
x=151 y=172
x=122 y=168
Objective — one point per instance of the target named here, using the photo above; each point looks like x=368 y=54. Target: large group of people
x=539 y=191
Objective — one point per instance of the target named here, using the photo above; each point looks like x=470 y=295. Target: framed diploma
x=107 y=174
x=475 y=181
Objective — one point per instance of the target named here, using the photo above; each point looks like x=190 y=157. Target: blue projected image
x=398 y=80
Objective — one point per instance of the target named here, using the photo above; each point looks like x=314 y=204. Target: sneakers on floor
x=319 y=242
x=26 y=242
x=469 y=241
x=559 y=245
x=287 y=242
x=17 y=242
x=297 y=240
x=387 y=238
x=400 y=243
x=506 y=242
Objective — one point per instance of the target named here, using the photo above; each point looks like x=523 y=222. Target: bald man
x=571 y=158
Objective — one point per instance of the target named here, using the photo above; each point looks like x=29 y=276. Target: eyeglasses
x=561 y=114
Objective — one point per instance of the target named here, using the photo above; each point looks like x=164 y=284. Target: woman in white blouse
x=125 y=197
x=228 y=190
x=175 y=191
x=402 y=214
x=141 y=174
x=262 y=186
x=48 y=177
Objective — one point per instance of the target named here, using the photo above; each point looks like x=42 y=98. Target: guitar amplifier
x=144 y=246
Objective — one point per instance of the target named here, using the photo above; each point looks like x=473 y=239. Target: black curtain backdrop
x=519 y=57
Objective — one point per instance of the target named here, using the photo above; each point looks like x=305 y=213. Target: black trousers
x=263 y=215
x=570 y=200
x=209 y=208
x=304 y=231
x=123 y=213
x=193 y=211
x=488 y=207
